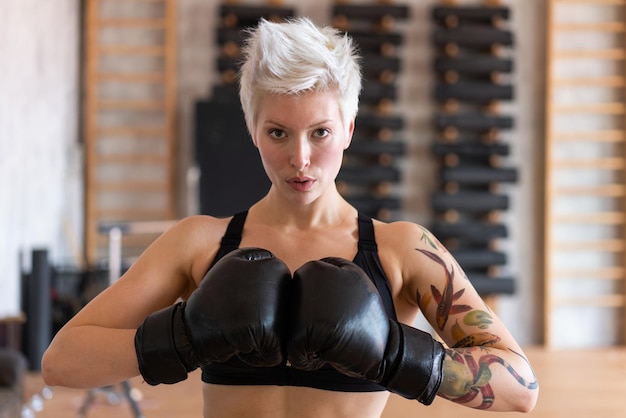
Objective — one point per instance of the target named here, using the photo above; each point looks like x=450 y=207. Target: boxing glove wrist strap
x=416 y=363
x=163 y=349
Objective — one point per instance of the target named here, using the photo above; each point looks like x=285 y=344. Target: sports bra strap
x=367 y=240
x=232 y=237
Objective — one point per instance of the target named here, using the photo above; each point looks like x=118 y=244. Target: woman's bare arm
x=96 y=347
x=484 y=367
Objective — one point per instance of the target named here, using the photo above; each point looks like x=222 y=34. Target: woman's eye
x=277 y=133
x=321 y=132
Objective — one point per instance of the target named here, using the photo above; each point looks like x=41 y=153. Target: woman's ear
x=349 y=134
x=252 y=137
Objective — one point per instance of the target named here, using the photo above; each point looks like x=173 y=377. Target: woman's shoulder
x=403 y=238
x=395 y=240
x=202 y=225
x=195 y=233
x=398 y=231
x=194 y=238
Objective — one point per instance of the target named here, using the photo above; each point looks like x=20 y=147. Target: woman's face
x=301 y=140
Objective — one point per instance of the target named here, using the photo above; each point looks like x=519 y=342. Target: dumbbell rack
x=472 y=60
x=234 y=19
x=370 y=173
x=585 y=162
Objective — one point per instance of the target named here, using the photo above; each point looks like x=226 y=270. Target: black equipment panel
x=471 y=149
x=246 y=15
x=473 y=37
x=371 y=12
x=476 y=122
x=471 y=231
x=475 y=92
x=488 y=285
x=232 y=176
x=367 y=175
x=473 y=65
x=479 y=175
x=470 y=201
x=479 y=258
x=475 y=14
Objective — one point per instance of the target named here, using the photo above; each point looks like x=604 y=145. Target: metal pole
x=115 y=254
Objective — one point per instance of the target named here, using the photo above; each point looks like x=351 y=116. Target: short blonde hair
x=294 y=57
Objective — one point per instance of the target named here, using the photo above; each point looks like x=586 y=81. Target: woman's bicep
x=160 y=276
x=448 y=300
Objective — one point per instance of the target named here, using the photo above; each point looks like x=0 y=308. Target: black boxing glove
x=238 y=309
x=339 y=319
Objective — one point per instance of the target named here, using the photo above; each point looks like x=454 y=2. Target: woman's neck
x=329 y=211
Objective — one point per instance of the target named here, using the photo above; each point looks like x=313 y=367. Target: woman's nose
x=300 y=154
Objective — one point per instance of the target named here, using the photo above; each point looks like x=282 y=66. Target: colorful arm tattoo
x=466 y=376
x=445 y=299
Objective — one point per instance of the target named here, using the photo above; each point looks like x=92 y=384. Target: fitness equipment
x=129 y=116
x=471 y=63
x=370 y=171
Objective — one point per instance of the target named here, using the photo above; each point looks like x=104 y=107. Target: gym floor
x=573 y=384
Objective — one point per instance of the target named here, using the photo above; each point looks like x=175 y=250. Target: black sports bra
x=236 y=372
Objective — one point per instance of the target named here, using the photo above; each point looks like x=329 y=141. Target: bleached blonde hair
x=297 y=56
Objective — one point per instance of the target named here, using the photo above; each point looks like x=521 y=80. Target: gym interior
x=497 y=124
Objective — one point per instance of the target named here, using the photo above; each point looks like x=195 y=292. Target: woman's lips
x=301 y=184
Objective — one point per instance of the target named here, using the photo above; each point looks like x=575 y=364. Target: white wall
x=40 y=172
x=39 y=158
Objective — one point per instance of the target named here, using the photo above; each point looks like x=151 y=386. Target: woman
x=321 y=336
